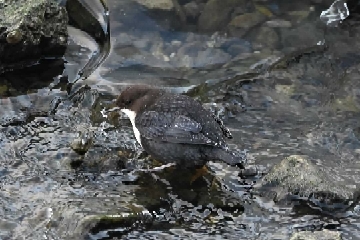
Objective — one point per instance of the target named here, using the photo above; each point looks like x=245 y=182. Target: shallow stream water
x=283 y=80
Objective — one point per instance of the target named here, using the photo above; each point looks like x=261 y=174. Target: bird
x=175 y=128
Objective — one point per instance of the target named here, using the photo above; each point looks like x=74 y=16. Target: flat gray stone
x=317 y=235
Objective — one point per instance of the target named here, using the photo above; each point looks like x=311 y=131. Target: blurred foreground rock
x=30 y=29
x=297 y=177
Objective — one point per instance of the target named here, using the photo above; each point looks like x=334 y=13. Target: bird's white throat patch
x=132 y=115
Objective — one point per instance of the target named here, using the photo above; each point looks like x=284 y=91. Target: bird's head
x=137 y=97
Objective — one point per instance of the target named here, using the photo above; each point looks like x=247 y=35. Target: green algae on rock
x=30 y=29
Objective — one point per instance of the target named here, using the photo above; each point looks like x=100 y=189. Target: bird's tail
x=232 y=158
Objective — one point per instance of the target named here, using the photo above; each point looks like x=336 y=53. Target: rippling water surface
x=284 y=81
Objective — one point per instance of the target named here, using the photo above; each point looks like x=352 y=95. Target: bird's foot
x=199 y=173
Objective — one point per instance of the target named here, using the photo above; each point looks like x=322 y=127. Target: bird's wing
x=174 y=128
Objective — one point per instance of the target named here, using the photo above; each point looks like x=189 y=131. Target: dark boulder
x=30 y=29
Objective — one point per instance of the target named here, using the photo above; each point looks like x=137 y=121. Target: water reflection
x=93 y=19
x=36 y=77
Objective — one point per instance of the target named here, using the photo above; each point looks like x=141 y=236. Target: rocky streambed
x=283 y=76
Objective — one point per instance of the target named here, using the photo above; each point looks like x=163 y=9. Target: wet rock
x=30 y=29
x=240 y=25
x=131 y=222
x=83 y=142
x=216 y=14
x=297 y=177
x=317 y=235
x=121 y=212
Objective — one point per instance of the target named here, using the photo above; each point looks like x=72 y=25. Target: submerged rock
x=241 y=24
x=30 y=29
x=168 y=13
x=216 y=14
x=297 y=177
x=158 y=4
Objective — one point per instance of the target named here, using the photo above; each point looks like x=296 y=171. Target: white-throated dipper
x=175 y=128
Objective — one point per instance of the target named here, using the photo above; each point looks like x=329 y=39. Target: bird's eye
x=127 y=102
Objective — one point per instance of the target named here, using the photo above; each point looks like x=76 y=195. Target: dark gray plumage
x=175 y=128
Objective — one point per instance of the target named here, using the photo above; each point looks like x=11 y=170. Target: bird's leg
x=213 y=185
x=199 y=173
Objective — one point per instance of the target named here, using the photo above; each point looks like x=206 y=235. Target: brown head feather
x=138 y=97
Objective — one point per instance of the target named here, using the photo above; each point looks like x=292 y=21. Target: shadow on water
x=36 y=77
x=172 y=203
x=282 y=80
